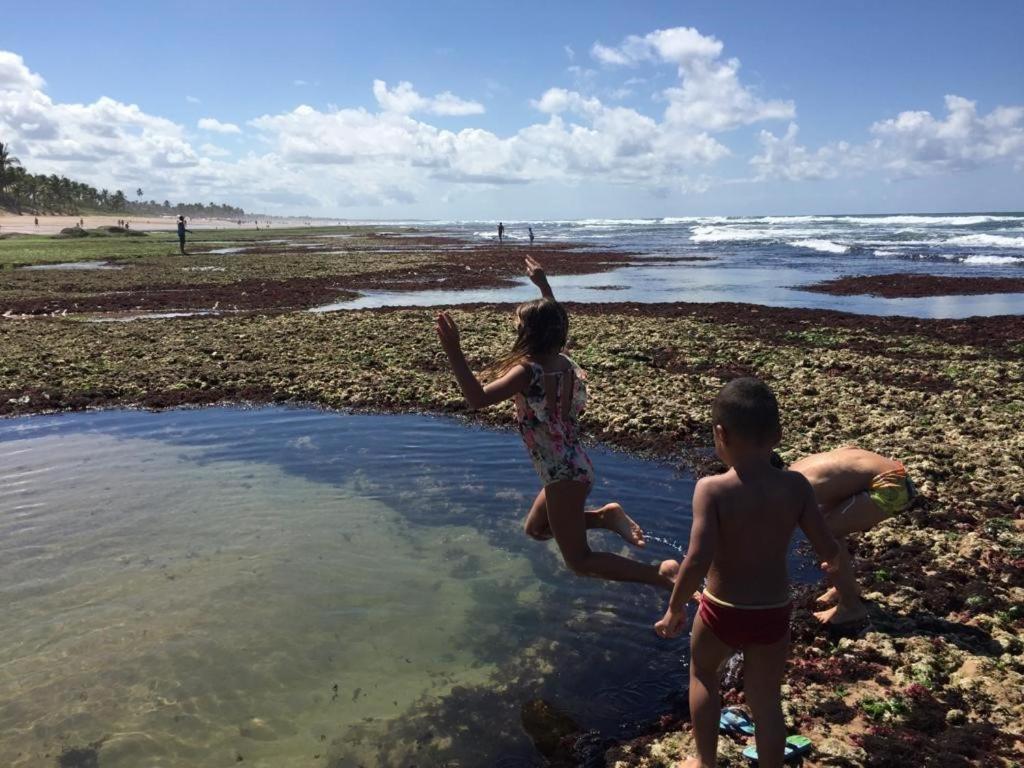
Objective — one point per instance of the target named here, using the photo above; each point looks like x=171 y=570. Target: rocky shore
x=935 y=679
x=902 y=285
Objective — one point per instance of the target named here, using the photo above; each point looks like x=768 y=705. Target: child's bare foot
x=829 y=597
x=842 y=614
x=691 y=762
x=615 y=519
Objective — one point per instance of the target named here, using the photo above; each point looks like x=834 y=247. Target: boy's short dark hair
x=747 y=408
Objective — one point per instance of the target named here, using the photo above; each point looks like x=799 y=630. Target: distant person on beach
x=743 y=521
x=856 y=490
x=531 y=234
x=37 y=221
x=549 y=392
x=181 y=234
x=501 y=232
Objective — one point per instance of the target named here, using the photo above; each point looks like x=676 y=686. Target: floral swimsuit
x=550 y=427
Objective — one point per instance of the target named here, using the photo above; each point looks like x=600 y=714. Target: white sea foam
x=613 y=222
x=724 y=234
x=886 y=252
x=825 y=246
x=993 y=261
x=986 y=241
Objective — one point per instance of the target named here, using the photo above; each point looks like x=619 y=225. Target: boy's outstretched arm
x=699 y=556
x=476 y=394
x=535 y=272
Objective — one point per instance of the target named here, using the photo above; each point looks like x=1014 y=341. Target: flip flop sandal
x=796 y=746
x=735 y=720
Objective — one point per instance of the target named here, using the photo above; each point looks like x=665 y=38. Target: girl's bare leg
x=565 y=502
x=611 y=517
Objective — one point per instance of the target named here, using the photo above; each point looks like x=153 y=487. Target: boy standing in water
x=743 y=521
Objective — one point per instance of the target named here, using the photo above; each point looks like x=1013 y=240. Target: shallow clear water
x=760 y=260
x=193 y=587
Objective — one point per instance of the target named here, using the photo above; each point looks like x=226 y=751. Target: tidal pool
x=282 y=587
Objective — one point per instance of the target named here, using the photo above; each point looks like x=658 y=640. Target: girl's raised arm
x=535 y=272
x=476 y=394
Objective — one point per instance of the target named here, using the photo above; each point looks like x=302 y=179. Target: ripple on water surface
x=194 y=587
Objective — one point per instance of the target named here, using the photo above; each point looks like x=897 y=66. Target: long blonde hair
x=543 y=330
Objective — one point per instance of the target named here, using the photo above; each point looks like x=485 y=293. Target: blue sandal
x=734 y=720
x=796 y=746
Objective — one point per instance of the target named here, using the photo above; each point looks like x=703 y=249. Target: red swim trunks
x=740 y=627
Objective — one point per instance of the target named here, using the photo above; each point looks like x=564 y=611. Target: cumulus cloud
x=710 y=95
x=782 y=157
x=919 y=144
x=320 y=159
x=215 y=125
x=910 y=145
x=404 y=100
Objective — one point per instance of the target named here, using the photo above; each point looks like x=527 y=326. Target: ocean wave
x=825 y=246
x=721 y=234
x=886 y=252
x=614 y=222
x=986 y=241
x=932 y=221
x=993 y=261
x=694 y=219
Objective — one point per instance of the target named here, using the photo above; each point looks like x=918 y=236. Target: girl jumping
x=549 y=391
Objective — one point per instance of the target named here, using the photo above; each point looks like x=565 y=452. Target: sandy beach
x=51 y=225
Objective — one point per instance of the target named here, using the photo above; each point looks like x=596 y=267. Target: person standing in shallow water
x=501 y=232
x=181 y=233
x=531 y=234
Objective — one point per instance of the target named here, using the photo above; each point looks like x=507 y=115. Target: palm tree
x=7 y=161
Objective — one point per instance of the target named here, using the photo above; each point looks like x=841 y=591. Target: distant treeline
x=38 y=193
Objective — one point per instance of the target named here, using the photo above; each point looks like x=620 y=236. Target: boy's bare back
x=756 y=511
x=837 y=475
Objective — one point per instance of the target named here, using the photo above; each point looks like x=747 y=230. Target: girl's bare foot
x=842 y=614
x=829 y=597
x=691 y=762
x=615 y=519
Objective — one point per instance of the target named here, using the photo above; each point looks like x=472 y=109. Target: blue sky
x=553 y=110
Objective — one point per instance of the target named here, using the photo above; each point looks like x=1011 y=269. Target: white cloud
x=710 y=95
x=320 y=160
x=404 y=100
x=192 y=99
x=912 y=144
x=212 y=150
x=299 y=83
x=569 y=52
x=215 y=125
x=918 y=144
x=784 y=158
x=15 y=76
